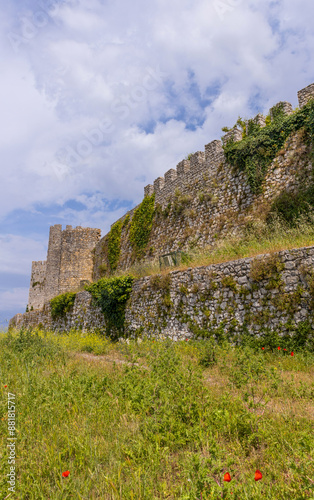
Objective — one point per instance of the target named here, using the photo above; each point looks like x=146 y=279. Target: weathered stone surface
x=229 y=299
x=305 y=95
x=69 y=261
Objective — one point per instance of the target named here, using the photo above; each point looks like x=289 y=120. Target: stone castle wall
x=251 y=294
x=53 y=262
x=305 y=95
x=229 y=295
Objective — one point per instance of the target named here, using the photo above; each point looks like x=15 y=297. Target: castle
x=214 y=200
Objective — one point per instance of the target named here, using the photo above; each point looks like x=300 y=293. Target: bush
x=111 y=295
x=290 y=206
x=265 y=268
x=61 y=304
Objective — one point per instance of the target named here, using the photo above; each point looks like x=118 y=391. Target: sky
x=100 y=97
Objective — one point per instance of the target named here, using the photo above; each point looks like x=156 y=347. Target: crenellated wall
x=200 y=162
x=217 y=198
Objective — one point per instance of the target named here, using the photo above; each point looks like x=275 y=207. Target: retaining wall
x=254 y=293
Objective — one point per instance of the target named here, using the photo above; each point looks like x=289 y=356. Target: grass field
x=156 y=420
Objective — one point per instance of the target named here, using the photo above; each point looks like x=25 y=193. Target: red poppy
x=258 y=475
x=263 y=348
x=292 y=354
x=278 y=348
x=227 y=477
x=5 y=386
x=66 y=473
x=284 y=349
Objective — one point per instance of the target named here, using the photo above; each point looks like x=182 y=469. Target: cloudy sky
x=100 y=97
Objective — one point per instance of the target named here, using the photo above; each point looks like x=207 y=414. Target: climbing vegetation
x=257 y=150
x=141 y=225
x=114 y=248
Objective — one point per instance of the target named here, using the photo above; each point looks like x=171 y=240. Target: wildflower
x=292 y=354
x=284 y=349
x=263 y=348
x=5 y=386
x=66 y=473
x=227 y=477
x=258 y=475
x=278 y=348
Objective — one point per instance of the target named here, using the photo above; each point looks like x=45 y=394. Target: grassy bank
x=156 y=420
x=259 y=237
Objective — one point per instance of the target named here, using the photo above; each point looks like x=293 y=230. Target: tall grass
x=169 y=426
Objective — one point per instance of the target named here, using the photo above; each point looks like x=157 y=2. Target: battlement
x=202 y=162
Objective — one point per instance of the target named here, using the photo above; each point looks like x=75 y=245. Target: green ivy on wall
x=256 y=151
x=61 y=304
x=114 y=249
x=111 y=295
x=141 y=224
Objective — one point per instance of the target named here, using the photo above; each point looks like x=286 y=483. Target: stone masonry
x=69 y=261
x=252 y=294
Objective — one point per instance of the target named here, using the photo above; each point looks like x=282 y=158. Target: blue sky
x=100 y=97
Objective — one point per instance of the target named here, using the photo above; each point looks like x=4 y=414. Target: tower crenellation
x=305 y=95
x=234 y=135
